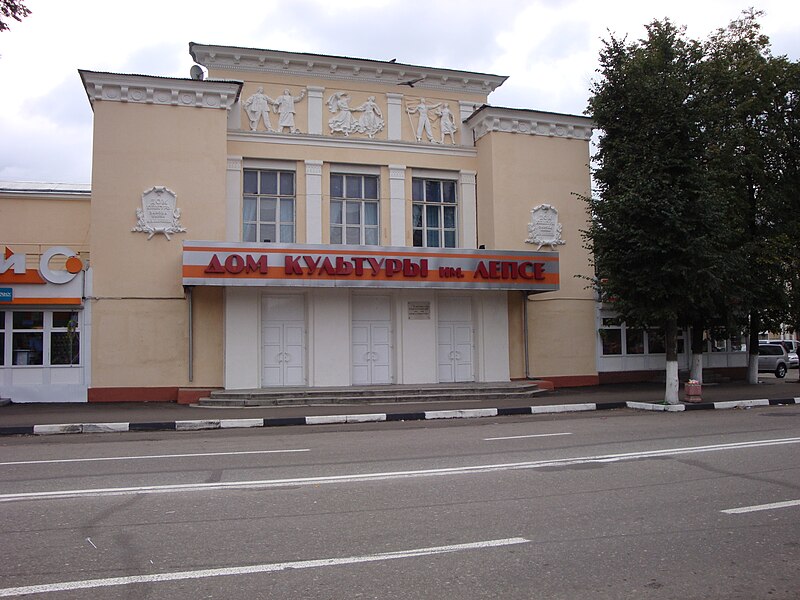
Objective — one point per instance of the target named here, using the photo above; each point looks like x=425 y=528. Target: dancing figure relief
x=369 y=122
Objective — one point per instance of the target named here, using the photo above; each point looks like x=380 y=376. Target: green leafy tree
x=653 y=231
x=751 y=121
x=12 y=9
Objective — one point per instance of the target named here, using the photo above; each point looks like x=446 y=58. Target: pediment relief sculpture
x=259 y=105
x=369 y=122
x=428 y=115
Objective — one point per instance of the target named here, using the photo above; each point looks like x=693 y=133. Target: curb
x=204 y=424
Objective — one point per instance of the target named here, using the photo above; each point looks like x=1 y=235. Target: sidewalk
x=49 y=418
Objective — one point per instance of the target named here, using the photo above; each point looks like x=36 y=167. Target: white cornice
x=147 y=89
x=321 y=141
x=343 y=68
x=529 y=122
x=71 y=191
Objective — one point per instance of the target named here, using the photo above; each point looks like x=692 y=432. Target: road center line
x=520 y=437
x=757 y=507
x=148 y=457
x=382 y=476
x=250 y=569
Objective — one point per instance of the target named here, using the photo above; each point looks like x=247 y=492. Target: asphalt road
x=621 y=505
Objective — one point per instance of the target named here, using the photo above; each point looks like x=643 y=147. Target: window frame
x=616 y=333
x=343 y=198
x=48 y=332
x=421 y=234
x=260 y=197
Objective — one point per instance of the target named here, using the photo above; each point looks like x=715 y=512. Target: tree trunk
x=671 y=341
x=698 y=347
x=752 y=348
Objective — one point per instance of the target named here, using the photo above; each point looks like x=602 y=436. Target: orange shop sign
x=13 y=267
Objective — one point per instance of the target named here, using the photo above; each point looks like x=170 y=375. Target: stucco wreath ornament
x=159 y=213
x=544 y=228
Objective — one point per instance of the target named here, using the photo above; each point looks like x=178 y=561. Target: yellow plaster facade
x=195 y=139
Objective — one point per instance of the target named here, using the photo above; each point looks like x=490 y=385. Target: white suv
x=792 y=346
x=773 y=358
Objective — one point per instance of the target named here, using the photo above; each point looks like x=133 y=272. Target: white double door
x=454 y=339
x=371 y=340
x=283 y=340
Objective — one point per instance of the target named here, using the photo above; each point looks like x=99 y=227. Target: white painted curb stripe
x=366 y=418
x=196 y=425
x=334 y=419
x=79 y=428
x=250 y=569
x=741 y=403
x=104 y=427
x=57 y=428
x=656 y=407
x=460 y=414
x=747 y=509
x=234 y=423
x=557 y=408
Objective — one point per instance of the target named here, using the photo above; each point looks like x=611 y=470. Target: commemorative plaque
x=544 y=228
x=159 y=213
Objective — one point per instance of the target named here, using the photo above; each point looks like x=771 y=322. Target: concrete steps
x=298 y=396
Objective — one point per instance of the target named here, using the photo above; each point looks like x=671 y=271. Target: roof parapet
x=150 y=89
x=343 y=68
x=529 y=122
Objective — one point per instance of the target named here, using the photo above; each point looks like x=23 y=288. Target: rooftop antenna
x=196 y=72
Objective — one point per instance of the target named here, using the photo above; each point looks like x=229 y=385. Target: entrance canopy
x=293 y=265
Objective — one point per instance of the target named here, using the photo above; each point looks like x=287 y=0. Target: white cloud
x=548 y=48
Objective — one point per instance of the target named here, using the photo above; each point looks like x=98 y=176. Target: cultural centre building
x=289 y=219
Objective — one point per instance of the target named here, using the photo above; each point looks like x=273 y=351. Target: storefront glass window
x=611 y=336
x=634 y=340
x=612 y=341
x=268 y=206
x=354 y=210
x=434 y=213
x=28 y=320
x=655 y=341
x=65 y=339
x=40 y=338
x=27 y=342
x=737 y=344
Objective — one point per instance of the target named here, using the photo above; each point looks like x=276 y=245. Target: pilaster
x=233 y=199
x=395 y=116
x=397 y=200
x=313 y=201
x=315 y=94
x=468 y=210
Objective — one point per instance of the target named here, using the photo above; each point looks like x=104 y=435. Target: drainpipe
x=188 y=289
x=525 y=333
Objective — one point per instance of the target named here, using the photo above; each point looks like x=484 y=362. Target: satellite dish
x=196 y=72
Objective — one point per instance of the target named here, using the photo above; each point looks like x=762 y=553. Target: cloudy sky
x=549 y=49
